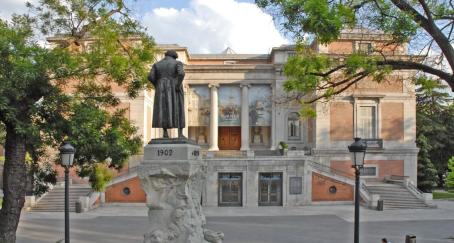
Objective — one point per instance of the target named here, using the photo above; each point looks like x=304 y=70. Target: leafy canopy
x=426 y=25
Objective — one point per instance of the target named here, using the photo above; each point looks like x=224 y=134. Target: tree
x=32 y=79
x=427 y=174
x=450 y=177
x=426 y=24
x=435 y=129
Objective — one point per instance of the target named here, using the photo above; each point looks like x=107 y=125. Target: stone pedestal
x=172 y=175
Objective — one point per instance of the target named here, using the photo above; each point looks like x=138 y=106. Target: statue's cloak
x=167 y=78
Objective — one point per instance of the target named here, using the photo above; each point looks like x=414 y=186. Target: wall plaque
x=296 y=185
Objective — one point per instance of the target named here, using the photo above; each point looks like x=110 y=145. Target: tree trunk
x=14 y=183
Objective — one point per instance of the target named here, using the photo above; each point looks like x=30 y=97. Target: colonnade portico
x=217 y=124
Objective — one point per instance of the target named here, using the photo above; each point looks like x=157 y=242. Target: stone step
x=54 y=200
x=400 y=199
x=396 y=196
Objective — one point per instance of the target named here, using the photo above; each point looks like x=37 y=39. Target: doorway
x=270 y=189
x=229 y=138
x=230 y=189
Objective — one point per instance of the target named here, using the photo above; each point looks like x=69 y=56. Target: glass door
x=270 y=189
x=230 y=189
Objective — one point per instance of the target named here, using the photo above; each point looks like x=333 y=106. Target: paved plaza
x=334 y=223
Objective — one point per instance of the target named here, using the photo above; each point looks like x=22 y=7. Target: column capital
x=212 y=85
x=247 y=85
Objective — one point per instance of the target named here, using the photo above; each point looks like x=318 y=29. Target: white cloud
x=8 y=7
x=209 y=26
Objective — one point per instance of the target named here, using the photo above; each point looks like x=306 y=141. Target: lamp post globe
x=358 y=150
x=67 y=152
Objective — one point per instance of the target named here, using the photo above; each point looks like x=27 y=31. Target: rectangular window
x=366 y=122
x=365 y=48
x=294 y=126
x=370 y=171
x=230 y=189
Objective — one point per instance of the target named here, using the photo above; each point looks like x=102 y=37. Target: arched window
x=294 y=126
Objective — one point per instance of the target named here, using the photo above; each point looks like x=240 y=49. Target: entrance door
x=270 y=189
x=229 y=138
x=230 y=193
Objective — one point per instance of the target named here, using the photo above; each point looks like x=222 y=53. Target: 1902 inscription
x=165 y=152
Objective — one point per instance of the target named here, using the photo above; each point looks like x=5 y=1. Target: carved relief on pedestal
x=173 y=197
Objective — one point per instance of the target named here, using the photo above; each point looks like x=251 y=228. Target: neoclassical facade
x=238 y=113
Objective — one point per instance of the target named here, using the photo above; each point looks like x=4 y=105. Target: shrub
x=100 y=176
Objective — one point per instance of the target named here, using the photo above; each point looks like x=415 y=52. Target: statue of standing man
x=167 y=78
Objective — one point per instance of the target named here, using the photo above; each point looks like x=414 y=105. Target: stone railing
x=427 y=198
x=370 y=200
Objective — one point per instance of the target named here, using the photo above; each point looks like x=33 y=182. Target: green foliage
x=443 y=195
x=283 y=145
x=425 y=25
x=450 y=177
x=100 y=176
x=427 y=174
x=99 y=135
x=97 y=45
x=43 y=176
x=322 y=17
x=435 y=129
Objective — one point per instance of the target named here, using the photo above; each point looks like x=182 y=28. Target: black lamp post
x=67 y=156
x=358 y=150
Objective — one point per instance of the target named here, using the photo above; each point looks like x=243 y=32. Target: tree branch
x=431 y=28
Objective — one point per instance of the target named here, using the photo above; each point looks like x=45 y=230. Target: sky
x=204 y=26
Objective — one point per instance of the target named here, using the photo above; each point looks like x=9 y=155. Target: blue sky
x=148 y=5
x=204 y=26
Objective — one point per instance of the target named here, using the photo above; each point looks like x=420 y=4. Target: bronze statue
x=167 y=78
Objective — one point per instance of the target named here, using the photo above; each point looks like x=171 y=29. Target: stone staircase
x=395 y=196
x=54 y=200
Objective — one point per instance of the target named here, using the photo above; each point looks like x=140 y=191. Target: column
x=244 y=117
x=214 y=118
x=273 y=119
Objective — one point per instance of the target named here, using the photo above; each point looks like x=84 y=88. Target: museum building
x=238 y=112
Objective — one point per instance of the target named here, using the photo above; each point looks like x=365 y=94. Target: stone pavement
x=333 y=223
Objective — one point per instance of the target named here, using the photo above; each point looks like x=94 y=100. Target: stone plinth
x=172 y=176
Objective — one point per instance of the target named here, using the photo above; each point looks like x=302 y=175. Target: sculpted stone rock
x=174 y=189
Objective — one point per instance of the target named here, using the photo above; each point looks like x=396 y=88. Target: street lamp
x=67 y=156
x=358 y=150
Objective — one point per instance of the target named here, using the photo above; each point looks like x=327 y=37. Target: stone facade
x=234 y=111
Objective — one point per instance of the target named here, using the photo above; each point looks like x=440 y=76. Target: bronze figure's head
x=171 y=53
